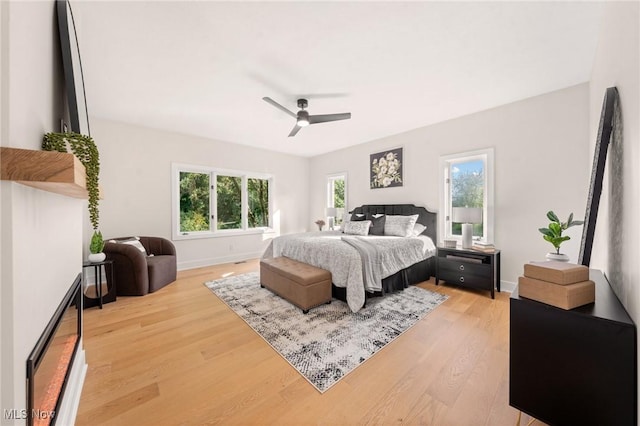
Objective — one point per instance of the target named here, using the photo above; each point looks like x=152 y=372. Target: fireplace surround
x=49 y=364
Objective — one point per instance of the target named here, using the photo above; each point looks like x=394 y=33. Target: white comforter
x=326 y=250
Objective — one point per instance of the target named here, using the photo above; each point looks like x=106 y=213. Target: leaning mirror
x=72 y=65
x=605 y=130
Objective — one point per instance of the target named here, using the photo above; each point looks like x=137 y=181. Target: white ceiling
x=202 y=68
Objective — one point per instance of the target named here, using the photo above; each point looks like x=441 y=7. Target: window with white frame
x=210 y=202
x=467 y=192
x=336 y=198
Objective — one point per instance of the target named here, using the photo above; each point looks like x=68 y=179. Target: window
x=258 y=190
x=467 y=182
x=194 y=202
x=209 y=202
x=229 y=202
x=337 y=196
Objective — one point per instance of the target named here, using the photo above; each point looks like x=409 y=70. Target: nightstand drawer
x=467 y=280
x=457 y=267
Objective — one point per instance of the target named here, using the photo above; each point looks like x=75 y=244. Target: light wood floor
x=181 y=356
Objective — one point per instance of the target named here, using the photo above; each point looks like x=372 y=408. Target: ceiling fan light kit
x=303 y=118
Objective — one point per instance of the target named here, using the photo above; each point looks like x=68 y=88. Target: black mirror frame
x=605 y=130
x=72 y=65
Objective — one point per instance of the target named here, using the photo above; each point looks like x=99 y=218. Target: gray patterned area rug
x=330 y=341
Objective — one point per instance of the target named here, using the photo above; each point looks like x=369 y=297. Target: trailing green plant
x=85 y=149
x=553 y=233
x=97 y=243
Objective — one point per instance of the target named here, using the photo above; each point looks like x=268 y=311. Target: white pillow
x=400 y=226
x=360 y=227
x=135 y=241
x=418 y=229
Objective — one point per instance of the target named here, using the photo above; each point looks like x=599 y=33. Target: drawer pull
x=461 y=279
x=462 y=267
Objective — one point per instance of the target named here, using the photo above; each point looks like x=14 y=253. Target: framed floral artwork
x=386 y=168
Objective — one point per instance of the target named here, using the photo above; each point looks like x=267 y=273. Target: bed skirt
x=402 y=279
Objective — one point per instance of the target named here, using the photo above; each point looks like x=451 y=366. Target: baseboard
x=201 y=263
x=507 y=286
x=71 y=399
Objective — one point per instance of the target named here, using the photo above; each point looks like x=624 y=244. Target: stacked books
x=560 y=284
x=483 y=247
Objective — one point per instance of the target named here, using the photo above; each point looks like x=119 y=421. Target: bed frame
x=414 y=274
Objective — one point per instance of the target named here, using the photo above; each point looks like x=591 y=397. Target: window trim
x=487 y=155
x=330 y=202
x=214 y=232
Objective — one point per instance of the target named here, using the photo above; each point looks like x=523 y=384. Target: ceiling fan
x=303 y=118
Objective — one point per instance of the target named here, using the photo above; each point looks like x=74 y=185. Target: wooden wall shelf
x=47 y=170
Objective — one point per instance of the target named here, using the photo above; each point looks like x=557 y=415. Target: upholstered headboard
x=425 y=217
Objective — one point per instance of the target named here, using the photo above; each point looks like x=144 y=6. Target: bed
x=391 y=264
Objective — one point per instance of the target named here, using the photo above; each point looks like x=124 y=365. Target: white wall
x=41 y=232
x=135 y=176
x=4 y=123
x=541 y=155
x=615 y=248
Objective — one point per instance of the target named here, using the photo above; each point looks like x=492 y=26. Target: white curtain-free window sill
x=221 y=233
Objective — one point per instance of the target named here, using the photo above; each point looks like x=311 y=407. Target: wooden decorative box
x=562 y=273
x=567 y=296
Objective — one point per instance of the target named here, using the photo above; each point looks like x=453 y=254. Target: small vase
x=97 y=257
x=319 y=227
x=557 y=257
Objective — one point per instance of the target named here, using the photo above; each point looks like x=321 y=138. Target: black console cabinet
x=575 y=367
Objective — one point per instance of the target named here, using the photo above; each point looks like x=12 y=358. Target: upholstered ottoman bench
x=303 y=285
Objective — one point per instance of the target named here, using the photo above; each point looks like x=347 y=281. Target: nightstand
x=469 y=268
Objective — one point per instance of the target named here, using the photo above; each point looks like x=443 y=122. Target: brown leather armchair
x=137 y=273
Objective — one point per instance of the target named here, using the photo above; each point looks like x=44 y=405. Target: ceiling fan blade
x=277 y=105
x=324 y=118
x=295 y=130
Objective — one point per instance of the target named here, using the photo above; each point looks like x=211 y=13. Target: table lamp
x=467 y=216
x=331 y=214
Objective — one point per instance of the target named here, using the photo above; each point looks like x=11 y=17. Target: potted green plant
x=95 y=247
x=85 y=149
x=553 y=234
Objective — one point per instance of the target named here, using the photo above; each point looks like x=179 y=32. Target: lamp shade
x=332 y=212
x=467 y=215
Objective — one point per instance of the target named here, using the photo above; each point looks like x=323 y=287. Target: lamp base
x=467 y=235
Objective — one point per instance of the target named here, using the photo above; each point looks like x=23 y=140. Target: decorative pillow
x=134 y=241
x=346 y=217
x=377 y=224
x=357 y=217
x=418 y=229
x=359 y=227
x=400 y=226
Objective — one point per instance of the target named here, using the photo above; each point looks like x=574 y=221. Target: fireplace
x=49 y=364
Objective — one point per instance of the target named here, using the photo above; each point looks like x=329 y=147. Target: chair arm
x=130 y=267
x=127 y=250
x=158 y=246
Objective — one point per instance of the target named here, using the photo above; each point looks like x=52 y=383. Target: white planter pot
x=557 y=257
x=97 y=257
